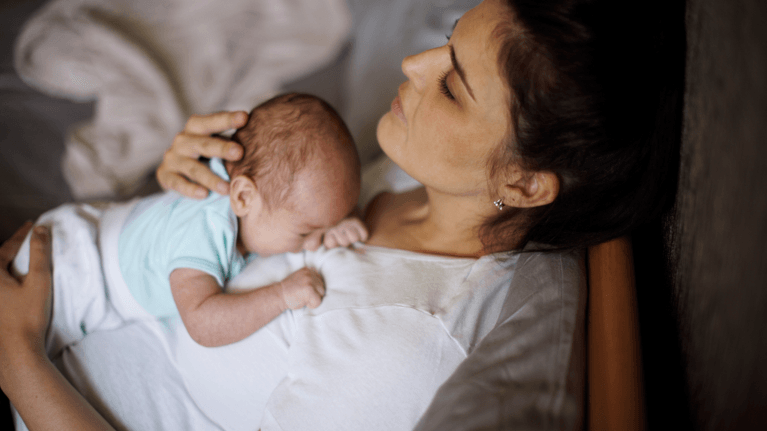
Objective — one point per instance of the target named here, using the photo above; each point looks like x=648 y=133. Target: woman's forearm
x=44 y=398
x=40 y=393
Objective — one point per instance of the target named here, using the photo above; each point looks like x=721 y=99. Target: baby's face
x=299 y=224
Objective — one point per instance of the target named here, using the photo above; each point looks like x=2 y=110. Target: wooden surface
x=615 y=393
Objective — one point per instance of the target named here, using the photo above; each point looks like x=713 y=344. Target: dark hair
x=595 y=94
x=285 y=133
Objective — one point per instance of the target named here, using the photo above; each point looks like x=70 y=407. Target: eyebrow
x=460 y=71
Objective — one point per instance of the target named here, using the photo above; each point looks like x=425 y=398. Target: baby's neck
x=240 y=245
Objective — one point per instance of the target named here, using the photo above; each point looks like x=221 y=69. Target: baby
x=295 y=186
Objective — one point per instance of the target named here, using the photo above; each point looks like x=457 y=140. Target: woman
x=511 y=129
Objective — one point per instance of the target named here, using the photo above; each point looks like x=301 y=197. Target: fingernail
x=201 y=193
x=234 y=152
x=241 y=117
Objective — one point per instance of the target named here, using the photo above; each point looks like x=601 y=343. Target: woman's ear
x=528 y=190
x=244 y=196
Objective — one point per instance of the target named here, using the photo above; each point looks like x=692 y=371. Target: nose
x=419 y=66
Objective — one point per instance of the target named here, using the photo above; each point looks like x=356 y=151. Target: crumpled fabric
x=149 y=65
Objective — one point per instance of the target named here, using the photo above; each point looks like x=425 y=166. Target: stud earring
x=499 y=204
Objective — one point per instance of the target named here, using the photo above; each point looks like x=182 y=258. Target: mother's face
x=453 y=111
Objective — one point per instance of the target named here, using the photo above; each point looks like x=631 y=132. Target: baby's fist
x=303 y=288
x=346 y=232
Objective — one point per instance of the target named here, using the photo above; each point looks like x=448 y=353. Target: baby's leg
x=80 y=302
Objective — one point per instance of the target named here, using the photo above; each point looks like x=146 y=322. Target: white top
x=167 y=231
x=392 y=327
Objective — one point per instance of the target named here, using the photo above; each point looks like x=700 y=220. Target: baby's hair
x=282 y=136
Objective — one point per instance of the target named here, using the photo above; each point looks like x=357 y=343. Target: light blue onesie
x=169 y=231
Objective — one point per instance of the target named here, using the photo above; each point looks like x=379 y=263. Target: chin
x=386 y=134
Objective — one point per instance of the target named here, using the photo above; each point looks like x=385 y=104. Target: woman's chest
x=372 y=277
x=463 y=294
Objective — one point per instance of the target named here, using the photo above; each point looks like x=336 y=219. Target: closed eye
x=443 y=86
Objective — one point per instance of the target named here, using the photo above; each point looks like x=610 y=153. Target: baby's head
x=300 y=174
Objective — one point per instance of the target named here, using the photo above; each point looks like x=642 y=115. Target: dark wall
x=716 y=239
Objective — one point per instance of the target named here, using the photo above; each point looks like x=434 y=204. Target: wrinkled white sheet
x=150 y=64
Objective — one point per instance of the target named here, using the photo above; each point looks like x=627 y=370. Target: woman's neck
x=427 y=221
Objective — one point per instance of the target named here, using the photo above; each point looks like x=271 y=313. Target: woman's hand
x=41 y=395
x=181 y=170
x=25 y=306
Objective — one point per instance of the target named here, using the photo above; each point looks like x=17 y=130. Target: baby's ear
x=244 y=196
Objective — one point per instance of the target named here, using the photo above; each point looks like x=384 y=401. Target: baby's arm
x=215 y=318
x=346 y=232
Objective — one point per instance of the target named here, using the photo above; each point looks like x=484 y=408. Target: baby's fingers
x=346 y=233
x=331 y=239
x=319 y=287
x=314 y=301
x=361 y=232
x=355 y=229
x=316 y=289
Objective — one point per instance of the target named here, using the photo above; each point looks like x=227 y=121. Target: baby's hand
x=346 y=232
x=303 y=288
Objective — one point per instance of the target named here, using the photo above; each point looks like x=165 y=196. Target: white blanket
x=150 y=64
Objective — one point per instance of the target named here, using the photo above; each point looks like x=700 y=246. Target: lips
x=396 y=109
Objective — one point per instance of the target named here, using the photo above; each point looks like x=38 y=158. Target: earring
x=499 y=204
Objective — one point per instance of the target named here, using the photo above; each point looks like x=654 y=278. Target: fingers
x=39 y=275
x=10 y=247
x=189 y=176
x=347 y=232
x=180 y=169
x=361 y=230
x=314 y=297
x=332 y=239
x=194 y=146
x=313 y=241
x=172 y=181
x=215 y=123
x=303 y=288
